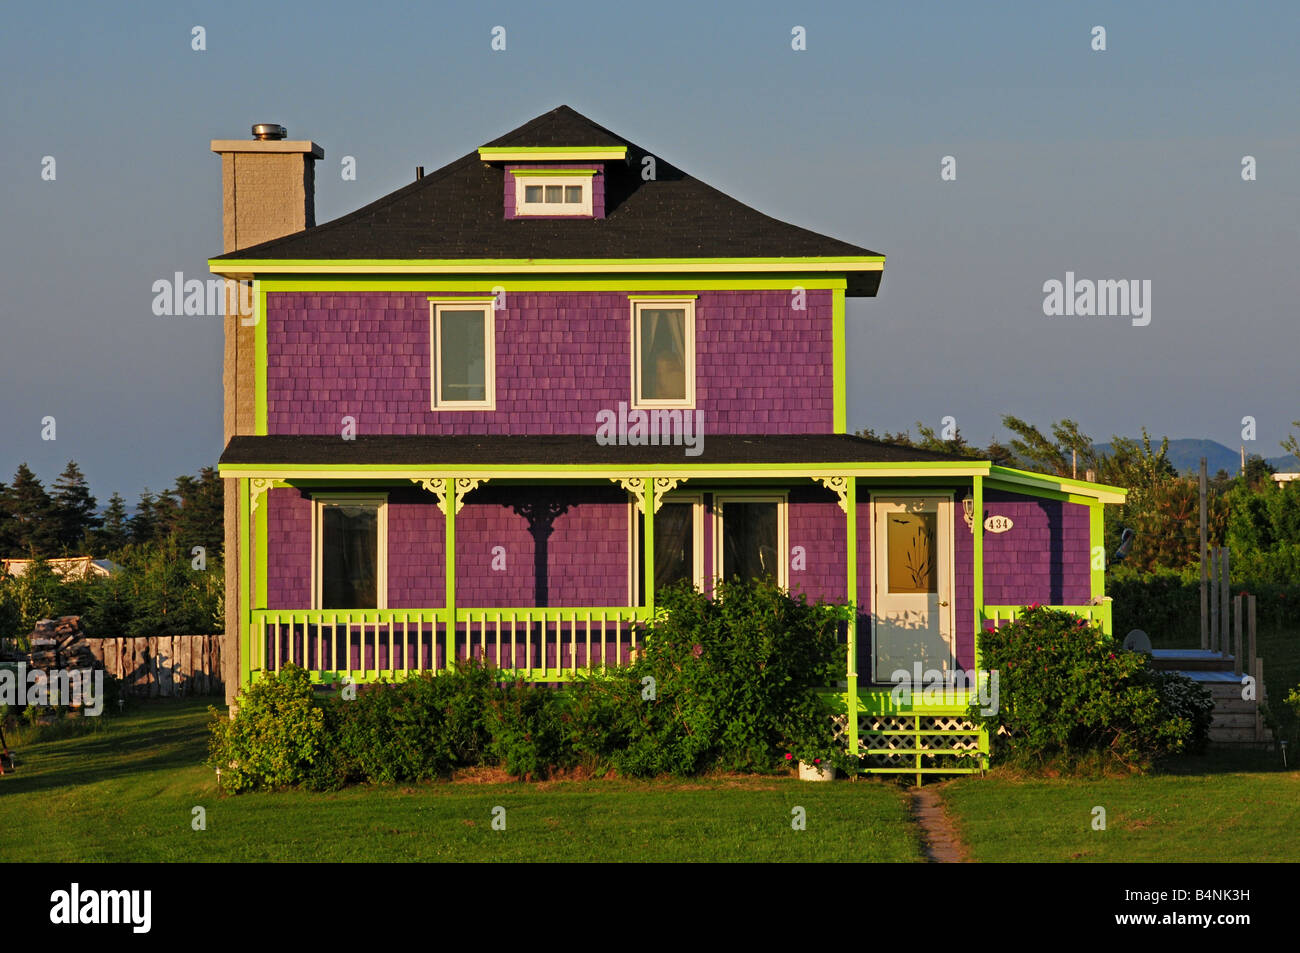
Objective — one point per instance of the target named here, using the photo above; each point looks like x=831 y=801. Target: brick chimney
x=268 y=190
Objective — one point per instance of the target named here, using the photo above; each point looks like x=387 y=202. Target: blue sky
x=1117 y=164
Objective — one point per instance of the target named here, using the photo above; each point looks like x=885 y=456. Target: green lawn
x=125 y=791
x=1216 y=808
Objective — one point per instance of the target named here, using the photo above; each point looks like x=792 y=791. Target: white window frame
x=318 y=503
x=488 y=307
x=635 y=552
x=779 y=497
x=687 y=303
x=560 y=177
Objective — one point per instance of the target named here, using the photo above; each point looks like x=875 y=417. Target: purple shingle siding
x=1043 y=558
x=561 y=358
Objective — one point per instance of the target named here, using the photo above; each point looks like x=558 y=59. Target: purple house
x=493 y=412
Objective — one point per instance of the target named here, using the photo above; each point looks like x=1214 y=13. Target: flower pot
x=815 y=772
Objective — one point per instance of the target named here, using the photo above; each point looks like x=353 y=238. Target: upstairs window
x=564 y=193
x=462 y=364
x=663 y=352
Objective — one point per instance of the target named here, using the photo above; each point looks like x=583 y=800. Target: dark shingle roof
x=471 y=450
x=456 y=212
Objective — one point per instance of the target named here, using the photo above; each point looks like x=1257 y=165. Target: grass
x=1226 y=807
x=125 y=790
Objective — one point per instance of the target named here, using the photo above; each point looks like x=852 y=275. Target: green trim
x=642 y=281
x=542 y=153
x=430 y=266
x=449 y=561
x=260 y=364
x=977 y=554
x=851 y=595
x=261 y=552
x=550 y=173
x=774 y=471
x=1044 y=481
x=662 y=297
x=1097 y=537
x=1039 y=492
x=458 y=299
x=245 y=573
x=648 y=544
x=839 y=367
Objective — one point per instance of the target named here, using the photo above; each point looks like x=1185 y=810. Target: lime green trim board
x=839 y=367
x=551 y=153
x=977 y=554
x=1097 y=549
x=259 y=364
x=245 y=575
x=851 y=595
x=449 y=557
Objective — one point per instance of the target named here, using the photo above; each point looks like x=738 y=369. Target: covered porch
x=823 y=487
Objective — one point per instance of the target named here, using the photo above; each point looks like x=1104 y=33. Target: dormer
x=553 y=181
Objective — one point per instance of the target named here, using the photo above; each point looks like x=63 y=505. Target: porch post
x=851 y=534
x=648 y=541
x=449 y=560
x=977 y=549
x=245 y=580
x=1097 y=547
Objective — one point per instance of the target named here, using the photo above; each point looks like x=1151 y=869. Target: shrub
x=1067 y=688
x=414 y=730
x=275 y=739
x=529 y=737
x=734 y=681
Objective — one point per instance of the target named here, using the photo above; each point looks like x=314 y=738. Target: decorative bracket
x=634 y=486
x=839 y=486
x=437 y=486
x=665 y=485
x=257 y=487
x=466 y=485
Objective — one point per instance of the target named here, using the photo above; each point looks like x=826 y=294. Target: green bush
x=1066 y=688
x=529 y=735
x=728 y=683
x=275 y=740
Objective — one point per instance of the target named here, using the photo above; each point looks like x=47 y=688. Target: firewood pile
x=61 y=643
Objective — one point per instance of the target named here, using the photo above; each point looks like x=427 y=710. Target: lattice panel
x=897 y=741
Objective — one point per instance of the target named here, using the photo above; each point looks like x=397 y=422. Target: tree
x=1259 y=472
x=1053 y=455
x=1292 y=444
x=144 y=523
x=72 y=510
x=115 y=531
x=200 y=518
x=30 y=509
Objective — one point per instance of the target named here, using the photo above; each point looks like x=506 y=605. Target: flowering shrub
x=1067 y=688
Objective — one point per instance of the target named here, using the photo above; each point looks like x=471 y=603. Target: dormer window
x=557 y=192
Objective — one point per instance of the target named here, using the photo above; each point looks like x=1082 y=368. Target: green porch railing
x=1100 y=612
x=366 y=645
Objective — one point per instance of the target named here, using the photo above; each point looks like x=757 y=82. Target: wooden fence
x=163 y=666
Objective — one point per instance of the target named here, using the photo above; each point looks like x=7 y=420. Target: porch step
x=1190 y=660
x=1236 y=721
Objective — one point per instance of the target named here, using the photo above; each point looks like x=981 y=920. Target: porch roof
x=551 y=456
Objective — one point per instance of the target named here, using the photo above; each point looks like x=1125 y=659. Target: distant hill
x=1185 y=454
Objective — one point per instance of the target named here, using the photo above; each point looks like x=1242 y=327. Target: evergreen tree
x=200 y=520
x=30 y=506
x=143 y=524
x=72 y=510
x=8 y=526
x=116 y=529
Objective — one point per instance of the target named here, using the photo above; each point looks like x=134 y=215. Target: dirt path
x=939 y=839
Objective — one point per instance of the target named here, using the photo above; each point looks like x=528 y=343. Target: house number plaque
x=998 y=524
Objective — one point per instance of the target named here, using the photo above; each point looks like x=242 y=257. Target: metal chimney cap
x=269 y=130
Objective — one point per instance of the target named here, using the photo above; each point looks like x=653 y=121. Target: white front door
x=911 y=568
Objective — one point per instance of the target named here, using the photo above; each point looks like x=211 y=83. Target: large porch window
x=679 y=545
x=349 y=550
x=750 y=538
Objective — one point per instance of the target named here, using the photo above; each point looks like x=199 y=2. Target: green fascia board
x=595 y=472
x=552 y=173
x=1062 y=485
x=550 y=153
x=433 y=266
